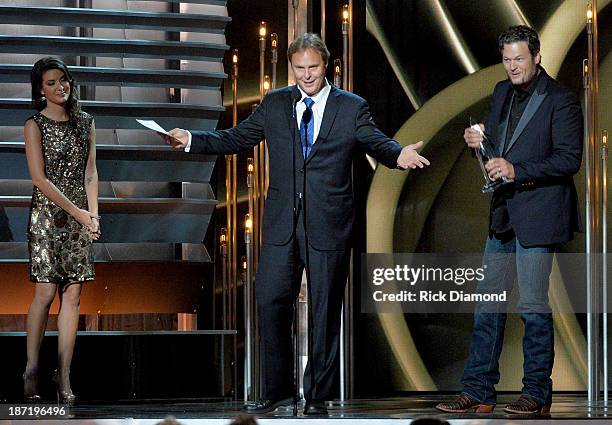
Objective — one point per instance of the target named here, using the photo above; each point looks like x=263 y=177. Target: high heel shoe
x=64 y=395
x=30 y=387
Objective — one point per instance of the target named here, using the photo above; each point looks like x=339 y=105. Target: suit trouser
x=277 y=287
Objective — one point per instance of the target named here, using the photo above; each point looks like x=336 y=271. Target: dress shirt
x=320 y=100
x=519 y=101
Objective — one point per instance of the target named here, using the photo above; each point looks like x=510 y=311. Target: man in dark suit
x=313 y=130
x=535 y=126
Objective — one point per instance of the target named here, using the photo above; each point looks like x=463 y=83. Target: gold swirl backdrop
x=448 y=195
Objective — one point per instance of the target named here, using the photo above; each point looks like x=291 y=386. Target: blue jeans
x=531 y=266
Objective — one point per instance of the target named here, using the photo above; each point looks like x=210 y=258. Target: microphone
x=296 y=95
x=295 y=98
x=307 y=116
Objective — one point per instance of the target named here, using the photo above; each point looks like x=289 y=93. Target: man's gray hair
x=308 y=41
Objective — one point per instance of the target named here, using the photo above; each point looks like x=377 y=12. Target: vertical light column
x=262 y=189
x=294 y=7
x=262 y=146
x=272 y=85
x=345 y=45
x=251 y=186
x=249 y=364
x=297 y=25
x=586 y=90
x=264 y=180
x=274 y=58
x=338 y=73
x=594 y=236
x=250 y=317
x=349 y=69
x=227 y=249
x=346 y=330
x=224 y=291
x=244 y=268
x=262 y=55
x=604 y=251
x=231 y=163
x=323 y=19
x=259 y=155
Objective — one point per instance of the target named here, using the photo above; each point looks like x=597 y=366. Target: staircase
x=145 y=59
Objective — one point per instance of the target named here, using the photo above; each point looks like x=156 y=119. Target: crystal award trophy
x=484 y=153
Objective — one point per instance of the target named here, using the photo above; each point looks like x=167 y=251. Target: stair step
x=125 y=77
x=106 y=18
x=123 y=115
x=17 y=252
x=211 y=2
x=148 y=151
x=125 y=189
x=109 y=47
x=133 y=205
x=133 y=163
x=133 y=333
x=148 y=220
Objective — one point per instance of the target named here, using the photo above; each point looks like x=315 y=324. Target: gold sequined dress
x=61 y=249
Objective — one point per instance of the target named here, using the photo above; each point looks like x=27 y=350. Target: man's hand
x=179 y=138
x=473 y=137
x=410 y=158
x=498 y=168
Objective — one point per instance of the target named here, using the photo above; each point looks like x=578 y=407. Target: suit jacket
x=546 y=151
x=347 y=127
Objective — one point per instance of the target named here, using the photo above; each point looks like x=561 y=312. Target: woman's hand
x=86 y=219
x=96 y=233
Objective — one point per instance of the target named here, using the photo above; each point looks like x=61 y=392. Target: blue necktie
x=307 y=128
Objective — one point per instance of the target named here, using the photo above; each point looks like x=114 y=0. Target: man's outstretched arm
x=245 y=135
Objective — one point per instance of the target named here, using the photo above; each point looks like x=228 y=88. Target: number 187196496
x=11 y=411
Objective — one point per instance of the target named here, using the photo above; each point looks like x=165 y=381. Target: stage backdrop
x=426 y=67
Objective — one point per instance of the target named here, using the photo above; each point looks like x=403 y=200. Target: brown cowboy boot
x=464 y=404
x=527 y=406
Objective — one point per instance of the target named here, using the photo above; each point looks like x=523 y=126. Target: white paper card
x=152 y=125
x=477 y=128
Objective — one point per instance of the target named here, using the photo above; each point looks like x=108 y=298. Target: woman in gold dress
x=61 y=155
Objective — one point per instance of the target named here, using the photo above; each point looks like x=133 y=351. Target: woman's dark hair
x=73 y=107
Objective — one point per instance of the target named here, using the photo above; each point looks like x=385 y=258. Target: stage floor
x=572 y=409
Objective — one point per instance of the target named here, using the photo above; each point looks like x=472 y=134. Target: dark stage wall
x=441 y=208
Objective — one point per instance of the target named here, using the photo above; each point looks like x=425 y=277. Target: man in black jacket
x=313 y=131
x=535 y=126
